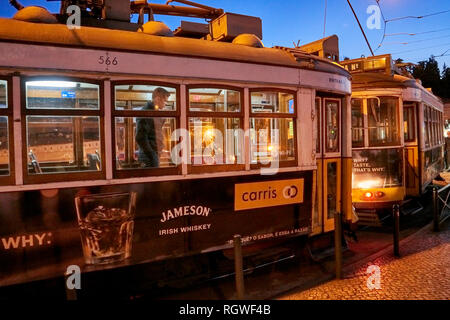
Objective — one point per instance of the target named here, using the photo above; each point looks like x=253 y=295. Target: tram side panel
x=40 y=237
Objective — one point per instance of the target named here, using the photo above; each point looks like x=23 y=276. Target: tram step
x=410 y=207
x=369 y=218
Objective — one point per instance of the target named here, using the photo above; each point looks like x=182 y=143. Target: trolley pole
x=338 y=243
x=238 y=267
x=396 y=216
x=435 y=210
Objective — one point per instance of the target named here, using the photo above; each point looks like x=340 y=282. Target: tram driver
x=149 y=133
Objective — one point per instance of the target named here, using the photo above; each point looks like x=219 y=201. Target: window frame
x=413 y=124
x=294 y=116
x=9 y=113
x=143 y=172
x=399 y=124
x=325 y=131
x=100 y=113
x=363 y=128
x=225 y=115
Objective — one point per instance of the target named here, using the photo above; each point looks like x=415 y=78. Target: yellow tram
x=397 y=133
x=234 y=144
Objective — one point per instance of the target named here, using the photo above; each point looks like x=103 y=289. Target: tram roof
x=90 y=37
x=373 y=80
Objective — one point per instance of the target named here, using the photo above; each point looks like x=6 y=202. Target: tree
x=428 y=71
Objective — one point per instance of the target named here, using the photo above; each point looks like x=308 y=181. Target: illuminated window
x=332 y=126
x=383 y=123
x=409 y=123
x=62 y=120
x=357 y=123
x=319 y=127
x=272 y=128
x=145 y=117
x=5 y=120
x=215 y=128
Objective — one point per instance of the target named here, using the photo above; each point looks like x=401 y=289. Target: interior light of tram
x=367 y=184
x=58 y=84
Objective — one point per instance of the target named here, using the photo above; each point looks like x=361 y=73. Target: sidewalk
x=422 y=272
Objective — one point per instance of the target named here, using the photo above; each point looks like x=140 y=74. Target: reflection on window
x=271 y=139
x=332 y=189
x=4 y=147
x=383 y=121
x=216 y=141
x=143 y=142
x=61 y=95
x=272 y=102
x=332 y=126
x=3 y=94
x=145 y=97
x=409 y=121
x=377 y=168
x=357 y=123
x=214 y=100
x=57 y=144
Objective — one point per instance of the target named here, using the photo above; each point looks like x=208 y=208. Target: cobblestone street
x=422 y=272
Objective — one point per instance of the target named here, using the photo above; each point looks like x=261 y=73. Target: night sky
x=288 y=21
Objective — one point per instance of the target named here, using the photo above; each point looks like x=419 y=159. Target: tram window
x=137 y=97
x=332 y=125
x=427 y=126
x=318 y=117
x=216 y=141
x=409 y=123
x=4 y=128
x=134 y=149
x=3 y=94
x=357 y=123
x=214 y=100
x=383 y=121
x=4 y=147
x=271 y=138
x=215 y=126
x=273 y=102
x=145 y=117
x=58 y=144
x=61 y=95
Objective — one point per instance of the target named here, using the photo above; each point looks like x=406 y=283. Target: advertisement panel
x=44 y=231
x=377 y=168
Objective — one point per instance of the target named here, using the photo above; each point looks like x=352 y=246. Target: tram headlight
x=368 y=195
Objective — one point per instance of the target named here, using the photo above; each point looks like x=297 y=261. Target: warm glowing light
x=367 y=184
x=270 y=148
x=368 y=195
x=57 y=84
x=209 y=134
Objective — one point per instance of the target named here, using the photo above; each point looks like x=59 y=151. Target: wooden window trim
x=64 y=176
x=204 y=168
x=293 y=116
x=144 y=172
x=8 y=112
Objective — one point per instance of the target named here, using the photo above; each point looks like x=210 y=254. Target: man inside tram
x=149 y=134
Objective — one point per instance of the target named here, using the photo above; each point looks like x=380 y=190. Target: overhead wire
x=386 y=21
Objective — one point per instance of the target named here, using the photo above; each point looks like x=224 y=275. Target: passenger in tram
x=149 y=135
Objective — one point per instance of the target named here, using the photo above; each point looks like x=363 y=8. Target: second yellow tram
x=397 y=133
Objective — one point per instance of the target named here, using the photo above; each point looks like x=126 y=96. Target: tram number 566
x=107 y=60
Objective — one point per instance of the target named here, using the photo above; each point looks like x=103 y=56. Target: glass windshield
x=357 y=123
x=382 y=115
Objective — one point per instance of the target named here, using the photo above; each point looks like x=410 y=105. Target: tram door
x=328 y=150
